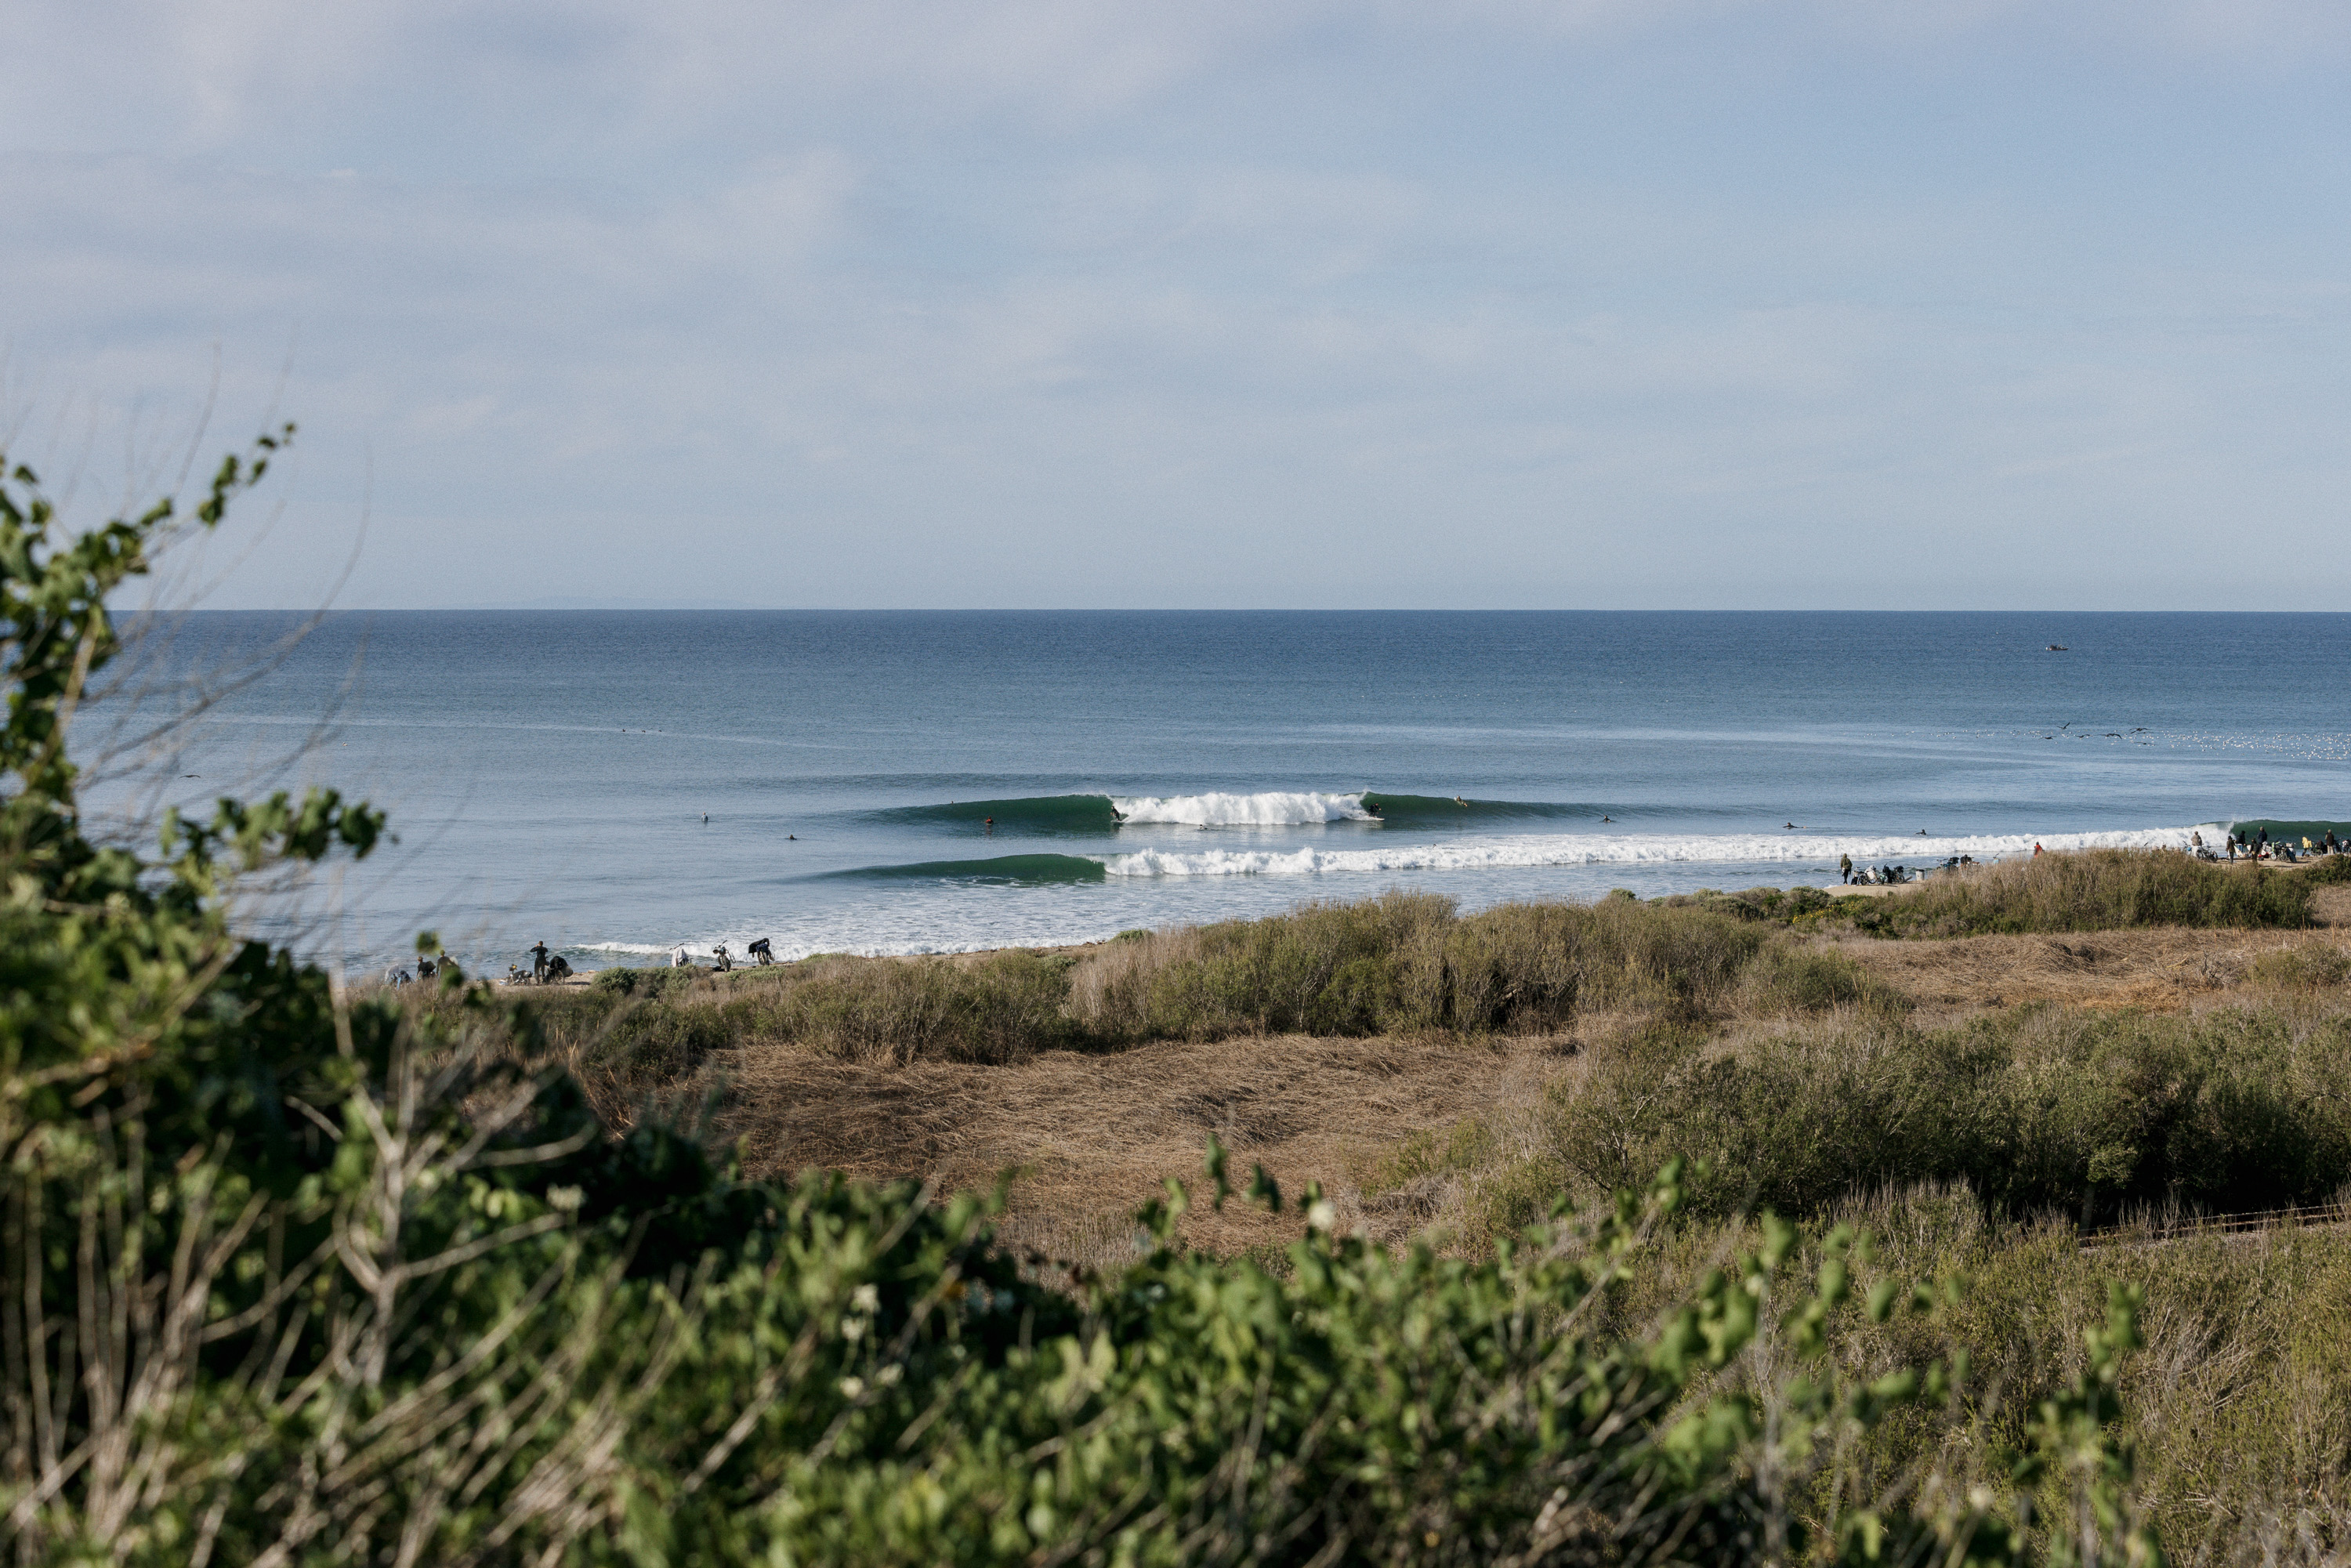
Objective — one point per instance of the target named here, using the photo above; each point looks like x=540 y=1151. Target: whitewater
x=1531 y=851
x=1266 y=809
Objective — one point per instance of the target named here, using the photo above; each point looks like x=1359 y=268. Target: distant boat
x=2056 y=648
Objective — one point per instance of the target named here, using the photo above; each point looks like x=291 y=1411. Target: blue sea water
x=620 y=782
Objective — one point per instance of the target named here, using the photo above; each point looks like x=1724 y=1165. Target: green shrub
x=1787 y=979
x=2087 y=1114
x=1406 y=962
x=1005 y=1007
x=2327 y=869
x=2091 y=890
x=2301 y=969
x=651 y=984
x=665 y=1042
x=1463 y=1147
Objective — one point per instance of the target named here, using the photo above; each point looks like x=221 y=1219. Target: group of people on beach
x=546 y=969
x=427 y=969
x=2259 y=846
x=762 y=953
x=1871 y=876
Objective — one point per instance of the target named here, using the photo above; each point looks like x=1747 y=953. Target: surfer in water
x=1460 y=802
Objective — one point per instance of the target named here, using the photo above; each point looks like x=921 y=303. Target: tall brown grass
x=2092 y=889
x=1408 y=962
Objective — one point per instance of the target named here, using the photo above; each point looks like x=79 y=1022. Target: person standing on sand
x=1845 y=868
x=2262 y=844
x=2036 y=849
x=538 y=962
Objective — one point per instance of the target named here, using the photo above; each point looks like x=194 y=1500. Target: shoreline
x=583 y=979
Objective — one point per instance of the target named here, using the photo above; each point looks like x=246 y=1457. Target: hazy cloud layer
x=1493 y=303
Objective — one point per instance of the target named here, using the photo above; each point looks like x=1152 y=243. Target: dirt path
x=1095 y=1136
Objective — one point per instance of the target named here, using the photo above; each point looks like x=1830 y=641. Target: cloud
x=875 y=302
x=449 y=82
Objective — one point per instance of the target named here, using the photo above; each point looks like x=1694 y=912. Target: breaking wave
x=1037 y=813
x=1263 y=809
x=1272 y=808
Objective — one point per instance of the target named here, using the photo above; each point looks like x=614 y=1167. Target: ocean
x=620 y=783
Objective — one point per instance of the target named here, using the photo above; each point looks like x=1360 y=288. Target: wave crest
x=1269 y=809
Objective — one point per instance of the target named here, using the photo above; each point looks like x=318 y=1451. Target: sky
x=1945 y=304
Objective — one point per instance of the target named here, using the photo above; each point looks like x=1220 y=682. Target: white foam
x=1273 y=808
x=1629 y=849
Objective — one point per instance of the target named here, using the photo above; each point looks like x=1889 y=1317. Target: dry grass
x=1094 y=1136
x=2162 y=969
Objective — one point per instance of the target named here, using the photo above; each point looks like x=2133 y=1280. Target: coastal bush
x=1005 y=1007
x=660 y=1044
x=2089 y=890
x=1789 y=979
x=2311 y=968
x=2327 y=869
x=2083 y=1114
x=649 y=985
x=1408 y=962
